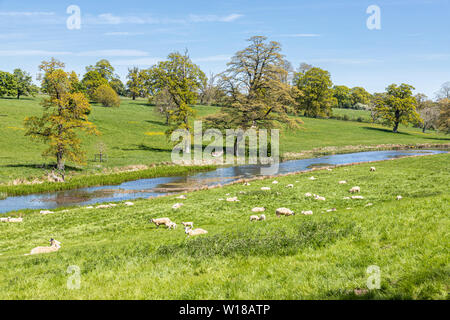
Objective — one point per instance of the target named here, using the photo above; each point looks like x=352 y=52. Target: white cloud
x=11 y=53
x=301 y=35
x=24 y=13
x=220 y=57
x=113 y=53
x=214 y=18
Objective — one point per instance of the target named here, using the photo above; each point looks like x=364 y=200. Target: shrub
x=106 y=95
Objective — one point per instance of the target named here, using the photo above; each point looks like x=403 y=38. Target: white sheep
x=312 y=178
x=308 y=194
x=342 y=182
x=194 y=232
x=265 y=188
x=44 y=212
x=399 y=197
x=358 y=197
x=254 y=218
x=181 y=197
x=284 y=212
x=369 y=204
x=290 y=186
x=171 y=225
x=246 y=183
x=188 y=224
x=20 y=219
x=129 y=204
x=355 y=189
x=233 y=199
x=373 y=169
x=262 y=217
x=177 y=205
x=320 y=198
x=54 y=246
x=308 y=212
x=331 y=210
x=160 y=221
x=274 y=181
x=258 y=209
x=103 y=206
x=4 y=219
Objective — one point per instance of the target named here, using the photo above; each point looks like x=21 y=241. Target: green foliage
x=342 y=95
x=136 y=83
x=359 y=95
x=317 y=98
x=118 y=86
x=397 y=105
x=106 y=95
x=104 y=68
x=8 y=84
x=64 y=112
x=444 y=115
x=25 y=85
x=92 y=80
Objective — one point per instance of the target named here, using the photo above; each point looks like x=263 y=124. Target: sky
x=411 y=45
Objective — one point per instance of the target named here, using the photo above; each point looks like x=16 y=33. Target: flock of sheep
x=189 y=226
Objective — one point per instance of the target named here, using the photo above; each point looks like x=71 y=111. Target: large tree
x=359 y=95
x=397 y=105
x=317 y=94
x=428 y=111
x=444 y=116
x=8 y=84
x=182 y=80
x=342 y=95
x=136 y=82
x=65 y=111
x=24 y=83
x=104 y=68
x=91 y=81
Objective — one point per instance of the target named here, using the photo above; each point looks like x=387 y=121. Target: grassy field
x=134 y=135
x=324 y=255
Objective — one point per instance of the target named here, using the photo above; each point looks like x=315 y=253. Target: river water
x=145 y=188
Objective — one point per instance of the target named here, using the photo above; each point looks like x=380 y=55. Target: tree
x=106 y=96
x=359 y=95
x=444 y=92
x=92 y=80
x=257 y=88
x=118 y=86
x=8 y=84
x=397 y=106
x=65 y=111
x=182 y=79
x=135 y=83
x=342 y=95
x=444 y=115
x=428 y=111
x=164 y=104
x=104 y=68
x=24 y=83
x=317 y=94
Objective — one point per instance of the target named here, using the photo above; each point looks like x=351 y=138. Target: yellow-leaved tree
x=65 y=111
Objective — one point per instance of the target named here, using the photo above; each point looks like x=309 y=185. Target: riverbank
x=320 y=256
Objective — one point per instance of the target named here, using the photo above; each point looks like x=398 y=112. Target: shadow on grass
x=158 y=123
x=385 y=130
x=143 y=147
x=40 y=166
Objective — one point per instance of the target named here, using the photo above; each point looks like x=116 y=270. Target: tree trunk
x=424 y=128
x=18 y=95
x=395 y=127
x=59 y=162
x=134 y=96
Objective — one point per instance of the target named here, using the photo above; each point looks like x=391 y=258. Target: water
x=145 y=188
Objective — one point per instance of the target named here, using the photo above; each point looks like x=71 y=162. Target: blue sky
x=413 y=45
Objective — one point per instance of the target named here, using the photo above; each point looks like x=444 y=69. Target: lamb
x=160 y=221
x=246 y=183
x=265 y=188
x=171 y=225
x=254 y=218
x=372 y=169
x=181 y=197
x=188 y=224
x=274 y=181
x=177 y=205
x=342 y=182
x=44 y=212
x=262 y=217
x=317 y=197
x=54 y=246
x=399 y=197
x=312 y=178
x=309 y=212
x=233 y=199
x=355 y=189
x=358 y=197
x=194 y=232
x=103 y=206
x=129 y=204
x=290 y=186
x=331 y=210
x=258 y=209
x=284 y=212
x=308 y=194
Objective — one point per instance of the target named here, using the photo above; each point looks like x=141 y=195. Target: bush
x=106 y=95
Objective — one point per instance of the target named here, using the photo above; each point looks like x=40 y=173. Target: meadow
x=121 y=255
x=134 y=135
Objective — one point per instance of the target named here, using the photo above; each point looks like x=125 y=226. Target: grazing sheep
x=4 y=219
x=171 y=225
x=262 y=217
x=372 y=169
x=355 y=189
x=188 y=224
x=113 y=205
x=54 y=246
x=331 y=210
x=129 y=204
x=44 y=212
x=20 y=219
x=246 y=183
x=90 y=207
x=317 y=197
x=358 y=197
x=342 y=182
x=103 y=206
x=221 y=199
x=160 y=221
x=258 y=209
x=309 y=212
x=194 y=232
x=265 y=188
x=233 y=199
x=312 y=178
x=346 y=198
x=177 y=205
x=181 y=197
x=308 y=194
x=254 y=218
x=369 y=204
x=274 y=181
x=284 y=212
x=399 y=197
x=290 y=186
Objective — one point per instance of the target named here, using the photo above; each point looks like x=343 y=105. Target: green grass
x=352 y=114
x=320 y=256
x=133 y=135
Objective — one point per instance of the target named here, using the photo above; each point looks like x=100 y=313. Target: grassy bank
x=324 y=255
x=134 y=135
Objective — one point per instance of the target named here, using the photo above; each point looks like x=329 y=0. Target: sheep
x=265 y=188
x=355 y=189
x=346 y=198
x=369 y=204
x=233 y=199
x=44 y=212
x=20 y=219
x=372 y=169
x=113 y=205
x=161 y=221
x=177 y=205
x=246 y=183
x=194 y=232
x=188 y=224
x=254 y=218
x=331 y=210
x=274 y=181
x=103 y=206
x=90 y=207
x=262 y=217
x=171 y=225
x=312 y=178
x=258 y=209
x=4 y=219
x=342 y=182
x=54 y=246
x=129 y=204
x=317 y=197
x=181 y=197
x=290 y=186
x=284 y=212
x=309 y=212
x=358 y=197
x=329 y=169
x=399 y=197
x=308 y=194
